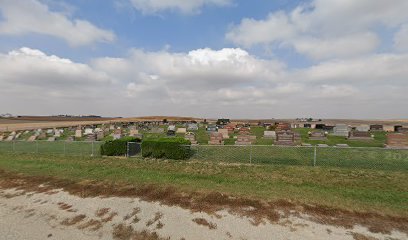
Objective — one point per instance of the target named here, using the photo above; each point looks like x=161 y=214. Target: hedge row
x=169 y=148
x=117 y=147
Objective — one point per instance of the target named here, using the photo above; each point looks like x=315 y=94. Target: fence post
x=36 y=147
x=65 y=148
x=250 y=154
x=314 y=156
x=127 y=149
x=14 y=146
x=92 y=149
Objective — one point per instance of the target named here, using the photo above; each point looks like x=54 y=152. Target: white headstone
x=363 y=128
x=78 y=133
x=88 y=131
x=270 y=134
x=181 y=130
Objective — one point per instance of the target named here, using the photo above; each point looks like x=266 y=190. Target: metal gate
x=133 y=149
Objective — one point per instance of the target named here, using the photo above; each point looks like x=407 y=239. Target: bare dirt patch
x=257 y=210
x=203 y=222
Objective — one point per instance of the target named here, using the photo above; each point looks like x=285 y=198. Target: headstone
x=42 y=136
x=388 y=128
x=32 y=138
x=244 y=131
x=70 y=139
x=91 y=137
x=216 y=139
x=192 y=127
x=224 y=133
x=270 y=134
x=50 y=131
x=322 y=145
x=117 y=134
x=10 y=138
x=78 y=133
x=191 y=136
x=157 y=130
x=403 y=130
x=88 y=131
x=51 y=139
x=17 y=135
x=1 y=138
x=295 y=125
x=287 y=138
x=100 y=136
x=282 y=127
x=57 y=134
x=357 y=135
x=244 y=139
x=341 y=130
x=182 y=130
x=363 y=128
x=306 y=144
x=111 y=127
x=320 y=136
x=376 y=127
x=133 y=132
x=397 y=140
x=212 y=128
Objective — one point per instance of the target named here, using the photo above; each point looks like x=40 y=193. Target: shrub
x=170 y=148
x=117 y=147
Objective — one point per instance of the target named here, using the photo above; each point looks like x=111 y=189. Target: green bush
x=117 y=147
x=170 y=148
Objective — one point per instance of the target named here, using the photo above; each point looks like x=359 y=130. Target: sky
x=205 y=58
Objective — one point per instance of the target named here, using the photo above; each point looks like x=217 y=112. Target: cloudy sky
x=205 y=58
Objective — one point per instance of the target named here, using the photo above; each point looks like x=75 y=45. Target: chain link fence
x=364 y=158
x=70 y=148
x=348 y=157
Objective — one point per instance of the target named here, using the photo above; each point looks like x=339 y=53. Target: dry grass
x=203 y=222
x=126 y=232
x=92 y=225
x=157 y=217
x=102 y=212
x=74 y=220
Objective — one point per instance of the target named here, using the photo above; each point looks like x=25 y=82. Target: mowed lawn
x=384 y=192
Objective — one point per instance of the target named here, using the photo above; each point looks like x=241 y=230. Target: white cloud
x=401 y=39
x=347 y=46
x=202 y=82
x=32 y=73
x=183 y=6
x=324 y=28
x=32 y=16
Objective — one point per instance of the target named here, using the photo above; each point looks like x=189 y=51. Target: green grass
x=53 y=148
x=379 y=139
x=357 y=158
x=361 y=190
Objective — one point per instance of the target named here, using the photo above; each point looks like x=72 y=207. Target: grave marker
x=32 y=138
x=341 y=130
x=224 y=133
x=397 y=140
x=216 y=139
x=319 y=136
x=287 y=138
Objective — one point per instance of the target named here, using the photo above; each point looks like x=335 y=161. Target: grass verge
x=335 y=191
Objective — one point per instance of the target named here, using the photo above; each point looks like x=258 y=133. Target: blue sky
x=235 y=58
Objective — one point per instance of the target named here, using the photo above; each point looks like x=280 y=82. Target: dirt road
x=55 y=214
